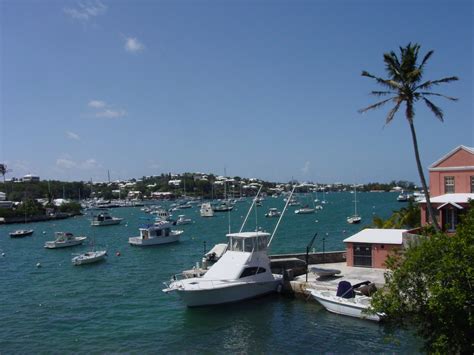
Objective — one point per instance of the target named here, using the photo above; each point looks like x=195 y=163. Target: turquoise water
x=118 y=306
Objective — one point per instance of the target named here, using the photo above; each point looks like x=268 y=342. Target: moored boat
x=158 y=233
x=89 y=257
x=20 y=233
x=64 y=240
x=104 y=219
x=206 y=210
x=241 y=273
x=273 y=212
x=346 y=302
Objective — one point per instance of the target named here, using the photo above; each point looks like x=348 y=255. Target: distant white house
x=175 y=182
x=31 y=178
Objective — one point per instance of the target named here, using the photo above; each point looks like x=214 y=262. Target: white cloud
x=305 y=168
x=84 y=11
x=109 y=113
x=133 y=45
x=68 y=163
x=73 y=136
x=97 y=104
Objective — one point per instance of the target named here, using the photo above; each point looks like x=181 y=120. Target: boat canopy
x=248 y=241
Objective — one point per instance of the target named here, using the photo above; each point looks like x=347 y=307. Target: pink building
x=370 y=247
x=451 y=187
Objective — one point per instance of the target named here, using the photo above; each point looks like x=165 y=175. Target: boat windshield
x=248 y=245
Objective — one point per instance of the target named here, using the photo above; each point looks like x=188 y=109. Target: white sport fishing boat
x=243 y=272
x=206 y=210
x=64 y=240
x=89 y=257
x=346 y=302
x=104 y=219
x=158 y=233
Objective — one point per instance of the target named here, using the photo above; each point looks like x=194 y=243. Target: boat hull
x=54 y=245
x=343 y=306
x=227 y=294
x=79 y=260
x=137 y=241
x=110 y=222
x=21 y=234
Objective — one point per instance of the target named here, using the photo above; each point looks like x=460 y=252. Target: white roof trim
x=456 y=198
x=446 y=156
x=459 y=207
x=377 y=236
x=453 y=168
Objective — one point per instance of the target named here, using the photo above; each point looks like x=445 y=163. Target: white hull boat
x=206 y=210
x=353 y=307
x=104 y=219
x=305 y=210
x=220 y=292
x=21 y=233
x=156 y=234
x=355 y=218
x=64 y=240
x=90 y=257
x=183 y=220
x=241 y=273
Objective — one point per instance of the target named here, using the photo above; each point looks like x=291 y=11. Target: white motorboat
x=241 y=273
x=346 y=302
x=223 y=207
x=161 y=214
x=64 y=240
x=403 y=197
x=355 y=218
x=273 y=212
x=206 y=210
x=158 y=233
x=183 y=220
x=104 y=219
x=21 y=233
x=89 y=257
x=305 y=210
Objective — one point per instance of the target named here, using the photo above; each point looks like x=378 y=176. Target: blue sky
x=266 y=89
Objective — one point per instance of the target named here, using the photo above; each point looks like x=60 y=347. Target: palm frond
x=428 y=84
x=391 y=84
x=435 y=109
x=392 y=112
x=392 y=65
x=425 y=59
x=441 y=95
x=376 y=105
x=382 y=93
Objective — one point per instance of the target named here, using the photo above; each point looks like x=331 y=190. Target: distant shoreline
x=37 y=218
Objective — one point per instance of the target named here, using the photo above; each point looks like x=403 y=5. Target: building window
x=472 y=184
x=449 y=184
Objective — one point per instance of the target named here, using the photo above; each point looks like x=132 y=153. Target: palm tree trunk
x=422 y=178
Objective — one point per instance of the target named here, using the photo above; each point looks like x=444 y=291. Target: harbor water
x=118 y=305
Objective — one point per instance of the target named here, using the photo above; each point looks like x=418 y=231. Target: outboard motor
x=345 y=290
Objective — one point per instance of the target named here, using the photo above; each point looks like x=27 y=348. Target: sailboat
x=355 y=218
x=306 y=209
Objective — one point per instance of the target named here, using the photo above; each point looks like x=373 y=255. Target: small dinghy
x=346 y=302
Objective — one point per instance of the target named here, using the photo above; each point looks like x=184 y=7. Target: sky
x=263 y=89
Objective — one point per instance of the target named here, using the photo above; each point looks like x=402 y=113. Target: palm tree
x=4 y=170
x=404 y=86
